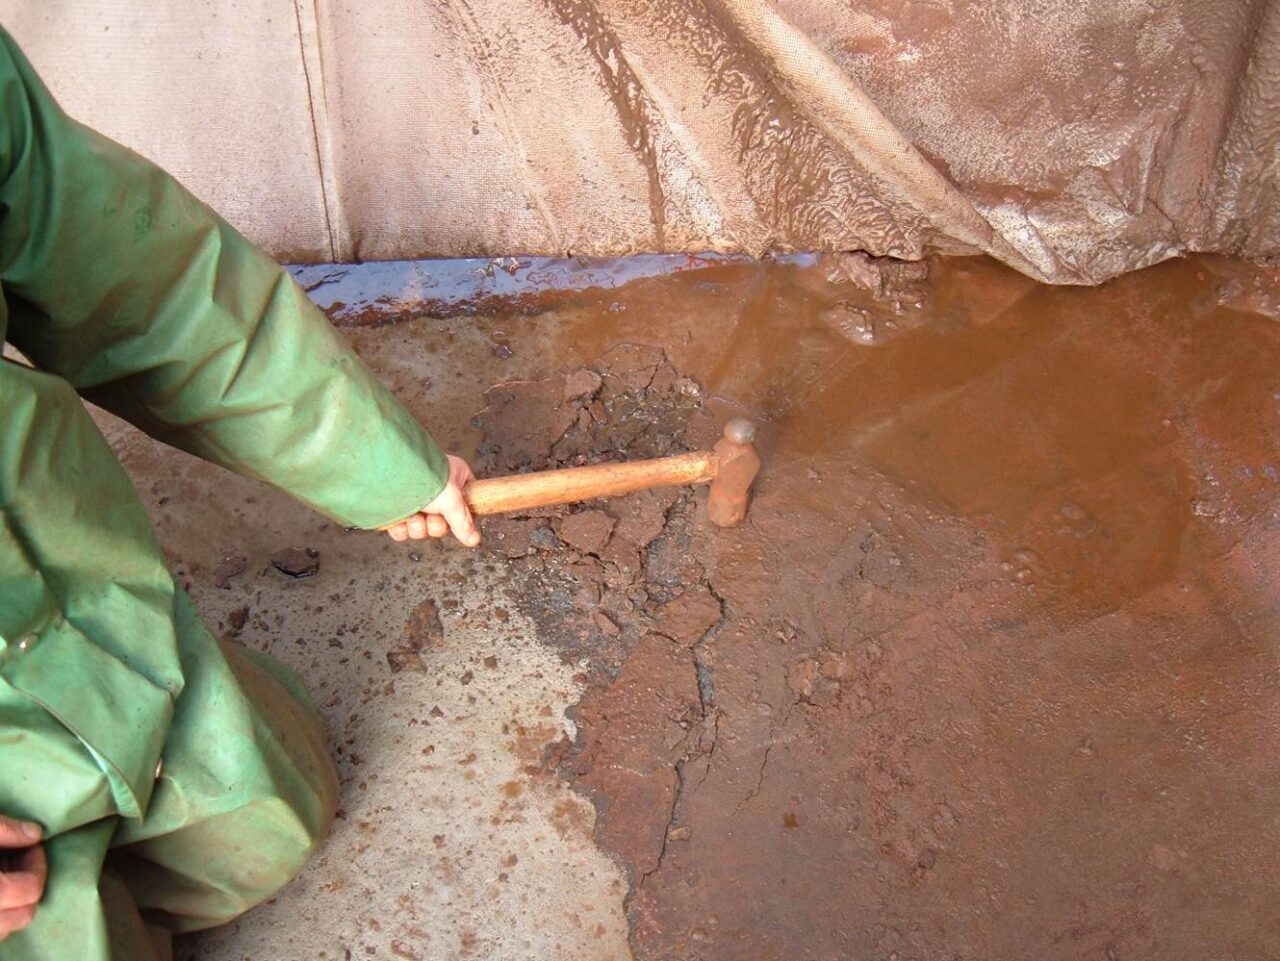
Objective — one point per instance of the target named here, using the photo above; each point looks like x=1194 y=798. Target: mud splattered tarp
x=1072 y=140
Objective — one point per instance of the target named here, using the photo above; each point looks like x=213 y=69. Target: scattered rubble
x=617 y=582
x=588 y=565
x=970 y=658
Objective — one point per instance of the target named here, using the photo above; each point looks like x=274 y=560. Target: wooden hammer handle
x=517 y=492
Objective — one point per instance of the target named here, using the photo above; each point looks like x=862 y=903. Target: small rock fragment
x=855 y=323
x=810 y=685
x=509 y=536
x=586 y=531
x=633 y=365
x=424 y=628
x=403 y=659
x=688 y=617
x=544 y=539
x=518 y=441
x=422 y=631
x=587 y=597
x=237 y=618
x=230 y=566
x=581 y=383
x=664 y=379
x=605 y=623
x=643 y=517
x=296 y=562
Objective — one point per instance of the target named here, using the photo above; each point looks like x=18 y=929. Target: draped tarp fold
x=1072 y=140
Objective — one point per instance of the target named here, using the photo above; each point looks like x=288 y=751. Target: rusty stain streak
x=635 y=111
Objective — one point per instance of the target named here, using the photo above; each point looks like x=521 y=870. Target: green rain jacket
x=121 y=287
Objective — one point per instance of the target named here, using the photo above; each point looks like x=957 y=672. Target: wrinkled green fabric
x=120 y=286
x=245 y=794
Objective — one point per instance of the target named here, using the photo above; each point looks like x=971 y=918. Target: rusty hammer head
x=737 y=466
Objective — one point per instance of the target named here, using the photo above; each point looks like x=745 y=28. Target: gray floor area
x=452 y=841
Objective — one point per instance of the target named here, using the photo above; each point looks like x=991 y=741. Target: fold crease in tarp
x=1071 y=140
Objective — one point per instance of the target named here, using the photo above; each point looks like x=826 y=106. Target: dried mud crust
x=639 y=587
x=992 y=671
x=601 y=575
x=696 y=638
x=616 y=582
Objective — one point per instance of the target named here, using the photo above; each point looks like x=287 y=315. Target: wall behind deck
x=1072 y=140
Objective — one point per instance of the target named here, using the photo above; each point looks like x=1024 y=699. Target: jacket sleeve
x=153 y=307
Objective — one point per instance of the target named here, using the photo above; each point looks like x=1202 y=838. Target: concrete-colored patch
x=451 y=842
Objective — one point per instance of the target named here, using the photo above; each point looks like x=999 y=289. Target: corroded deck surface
x=990 y=672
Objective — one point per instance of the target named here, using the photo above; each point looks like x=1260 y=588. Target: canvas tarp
x=1073 y=139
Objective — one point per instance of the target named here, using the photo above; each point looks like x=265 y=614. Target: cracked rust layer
x=988 y=672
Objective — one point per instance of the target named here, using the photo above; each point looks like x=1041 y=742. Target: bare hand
x=23 y=870
x=447 y=513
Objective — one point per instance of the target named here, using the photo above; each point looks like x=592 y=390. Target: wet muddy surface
x=990 y=671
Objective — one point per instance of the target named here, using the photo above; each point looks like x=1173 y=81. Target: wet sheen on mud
x=996 y=671
x=1103 y=436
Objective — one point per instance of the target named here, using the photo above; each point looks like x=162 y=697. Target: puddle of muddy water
x=1086 y=429
x=990 y=670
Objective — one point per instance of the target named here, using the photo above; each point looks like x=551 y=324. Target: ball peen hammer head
x=736 y=468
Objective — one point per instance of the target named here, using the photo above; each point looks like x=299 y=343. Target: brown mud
x=600 y=575
x=991 y=669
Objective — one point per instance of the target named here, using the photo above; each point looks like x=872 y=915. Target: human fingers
x=454 y=509
x=416 y=526
x=18 y=834
x=24 y=887
x=398 y=532
x=437 y=526
x=13 y=920
x=35 y=861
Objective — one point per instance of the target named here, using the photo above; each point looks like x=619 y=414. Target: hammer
x=730 y=468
